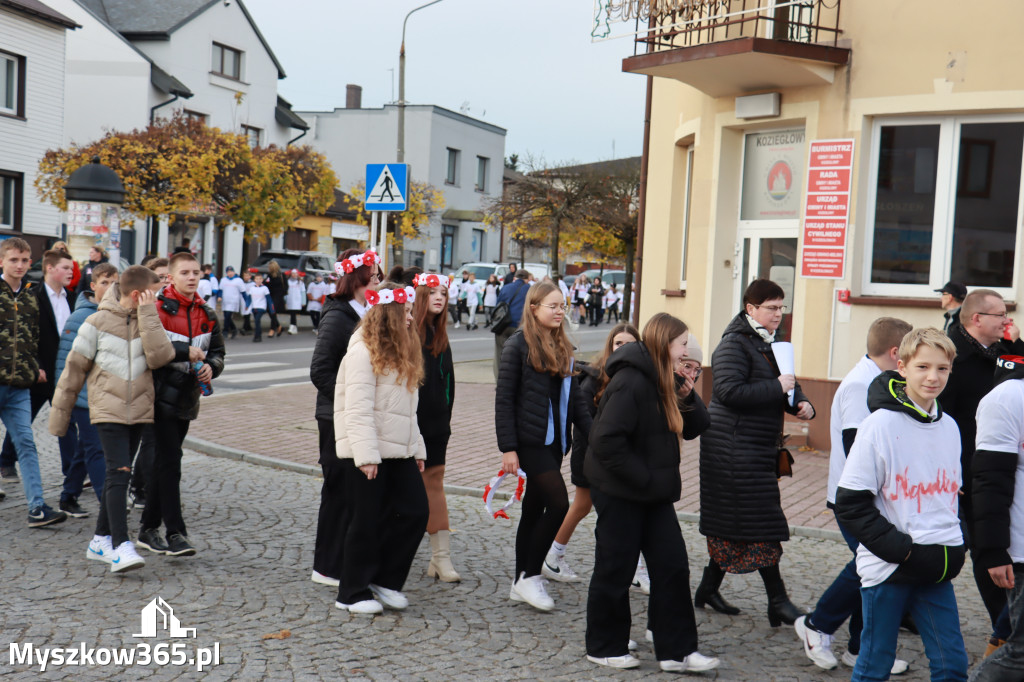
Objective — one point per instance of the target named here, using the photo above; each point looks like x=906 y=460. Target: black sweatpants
x=119 y=442
x=142 y=470
x=624 y=529
x=386 y=520
x=545 y=504
x=163 y=488
x=332 y=520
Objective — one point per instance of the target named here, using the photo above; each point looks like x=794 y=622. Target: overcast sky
x=526 y=65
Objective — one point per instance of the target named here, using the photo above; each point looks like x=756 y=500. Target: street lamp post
x=94 y=195
x=401 y=84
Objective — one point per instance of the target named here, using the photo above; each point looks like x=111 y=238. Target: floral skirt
x=734 y=556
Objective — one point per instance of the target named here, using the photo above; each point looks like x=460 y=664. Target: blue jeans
x=1007 y=663
x=841 y=600
x=16 y=414
x=933 y=608
x=257 y=321
x=87 y=457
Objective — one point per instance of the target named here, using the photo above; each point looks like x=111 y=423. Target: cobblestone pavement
x=254 y=528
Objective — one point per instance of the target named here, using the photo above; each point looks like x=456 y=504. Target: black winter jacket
x=337 y=322
x=970 y=380
x=522 y=402
x=739 y=491
x=177 y=391
x=632 y=454
x=437 y=393
x=856 y=509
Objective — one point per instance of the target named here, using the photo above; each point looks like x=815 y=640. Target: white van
x=485 y=270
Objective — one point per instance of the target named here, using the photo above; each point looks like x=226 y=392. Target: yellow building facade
x=931 y=94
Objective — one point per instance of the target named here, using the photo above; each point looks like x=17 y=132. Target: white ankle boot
x=441 y=559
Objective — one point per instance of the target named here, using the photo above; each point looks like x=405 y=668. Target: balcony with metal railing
x=731 y=47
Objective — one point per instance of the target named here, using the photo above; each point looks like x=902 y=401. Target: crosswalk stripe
x=250 y=365
x=244 y=377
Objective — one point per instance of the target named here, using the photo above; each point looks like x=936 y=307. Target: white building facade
x=461 y=156
x=32 y=47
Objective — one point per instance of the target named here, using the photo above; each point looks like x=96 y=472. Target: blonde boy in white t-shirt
x=898 y=496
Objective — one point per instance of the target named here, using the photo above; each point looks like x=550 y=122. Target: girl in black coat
x=434 y=410
x=592 y=382
x=633 y=468
x=341 y=314
x=537 y=402
x=278 y=286
x=740 y=506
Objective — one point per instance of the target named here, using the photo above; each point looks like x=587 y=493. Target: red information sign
x=827 y=209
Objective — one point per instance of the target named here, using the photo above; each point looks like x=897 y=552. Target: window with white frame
x=452 y=174
x=943 y=204
x=482 y=162
x=252 y=134
x=12 y=87
x=227 y=61
x=10 y=186
x=685 y=224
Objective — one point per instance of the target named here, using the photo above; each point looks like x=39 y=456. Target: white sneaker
x=557 y=568
x=126 y=558
x=367 y=607
x=621 y=662
x=817 y=645
x=456 y=325
x=649 y=637
x=631 y=645
x=532 y=591
x=100 y=549
x=292 y=329
x=899 y=666
x=393 y=599
x=641 y=580
x=693 y=663
x=321 y=579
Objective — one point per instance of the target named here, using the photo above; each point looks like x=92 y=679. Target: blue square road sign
x=387 y=186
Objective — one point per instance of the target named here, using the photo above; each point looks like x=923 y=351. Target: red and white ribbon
x=430 y=279
x=344 y=267
x=493 y=485
x=408 y=294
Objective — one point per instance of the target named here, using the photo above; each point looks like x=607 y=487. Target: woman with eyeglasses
x=342 y=312
x=740 y=506
x=537 y=403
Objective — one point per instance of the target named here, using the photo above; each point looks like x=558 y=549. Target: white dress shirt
x=59 y=303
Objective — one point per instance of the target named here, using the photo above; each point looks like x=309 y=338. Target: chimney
x=353 y=96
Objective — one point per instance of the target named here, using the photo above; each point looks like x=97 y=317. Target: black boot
x=780 y=609
x=707 y=591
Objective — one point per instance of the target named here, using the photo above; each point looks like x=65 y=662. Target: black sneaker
x=71 y=507
x=8 y=472
x=45 y=516
x=178 y=545
x=149 y=538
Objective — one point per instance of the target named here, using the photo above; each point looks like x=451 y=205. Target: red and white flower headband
x=493 y=486
x=344 y=267
x=432 y=280
x=408 y=294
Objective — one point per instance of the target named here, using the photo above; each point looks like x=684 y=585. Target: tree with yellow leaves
x=424 y=201
x=180 y=165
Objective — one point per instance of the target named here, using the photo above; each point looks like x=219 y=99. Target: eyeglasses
x=553 y=306
x=691 y=370
x=375 y=277
x=1002 y=314
x=774 y=308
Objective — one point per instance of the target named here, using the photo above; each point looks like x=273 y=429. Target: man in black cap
x=953 y=295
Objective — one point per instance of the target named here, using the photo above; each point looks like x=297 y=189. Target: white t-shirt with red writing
x=1001 y=428
x=913 y=469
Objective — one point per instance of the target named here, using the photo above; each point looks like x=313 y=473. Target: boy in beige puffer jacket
x=116 y=348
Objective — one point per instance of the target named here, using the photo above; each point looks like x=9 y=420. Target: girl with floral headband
x=537 y=403
x=341 y=314
x=382 y=453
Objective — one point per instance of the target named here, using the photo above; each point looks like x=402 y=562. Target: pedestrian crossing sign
x=387 y=186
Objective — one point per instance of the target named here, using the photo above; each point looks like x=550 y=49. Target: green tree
x=423 y=203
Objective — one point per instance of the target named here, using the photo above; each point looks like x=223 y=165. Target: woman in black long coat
x=740 y=505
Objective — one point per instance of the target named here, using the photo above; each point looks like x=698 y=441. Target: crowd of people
x=927 y=440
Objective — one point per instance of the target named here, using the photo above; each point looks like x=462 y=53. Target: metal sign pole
x=383 y=251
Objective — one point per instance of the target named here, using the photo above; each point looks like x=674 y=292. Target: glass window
x=773 y=175
x=252 y=134
x=227 y=61
x=11 y=85
x=447 y=245
x=452 y=175
x=905 y=204
x=477 y=245
x=481 y=173
x=946 y=204
x=7 y=190
x=687 y=191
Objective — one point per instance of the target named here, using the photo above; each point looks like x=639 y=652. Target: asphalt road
x=285 y=361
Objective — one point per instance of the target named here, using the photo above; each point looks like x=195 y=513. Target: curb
x=205 y=447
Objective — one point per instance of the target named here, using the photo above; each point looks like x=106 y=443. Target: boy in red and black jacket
x=195 y=334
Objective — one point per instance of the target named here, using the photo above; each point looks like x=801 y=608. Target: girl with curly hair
x=382 y=451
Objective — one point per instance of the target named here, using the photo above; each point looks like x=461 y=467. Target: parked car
x=485 y=270
x=308 y=263
x=616 y=277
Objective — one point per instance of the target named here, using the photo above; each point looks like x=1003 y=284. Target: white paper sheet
x=783 y=351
